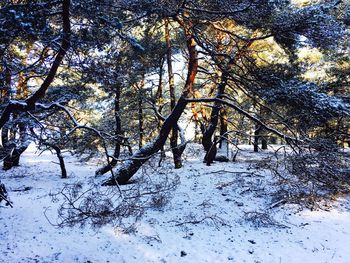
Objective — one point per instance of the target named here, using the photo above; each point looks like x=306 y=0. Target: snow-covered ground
x=205 y=221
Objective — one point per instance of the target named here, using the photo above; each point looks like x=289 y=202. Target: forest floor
x=220 y=213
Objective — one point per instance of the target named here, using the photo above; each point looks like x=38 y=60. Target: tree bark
x=131 y=166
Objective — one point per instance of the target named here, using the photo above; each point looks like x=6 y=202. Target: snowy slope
x=204 y=222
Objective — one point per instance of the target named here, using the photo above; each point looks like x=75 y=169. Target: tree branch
x=29 y=103
x=245 y=113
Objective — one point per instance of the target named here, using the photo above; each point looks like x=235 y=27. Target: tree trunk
x=177 y=152
x=60 y=159
x=140 y=119
x=223 y=126
x=15 y=107
x=263 y=143
x=159 y=93
x=223 y=151
x=21 y=92
x=207 y=140
x=257 y=129
x=4 y=136
x=118 y=133
x=5 y=97
x=256 y=138
x=131 y=166
x=15 y=151
x=263 y=132
x=159 y=100
x=8 y=149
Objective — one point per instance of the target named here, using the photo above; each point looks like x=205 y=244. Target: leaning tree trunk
x=131 y=166
x=177 y=152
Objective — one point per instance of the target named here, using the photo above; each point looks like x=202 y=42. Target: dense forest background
x=128 y=81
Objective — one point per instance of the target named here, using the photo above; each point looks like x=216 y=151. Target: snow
x=204 y=221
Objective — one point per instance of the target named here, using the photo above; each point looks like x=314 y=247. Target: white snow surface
x=218 y=192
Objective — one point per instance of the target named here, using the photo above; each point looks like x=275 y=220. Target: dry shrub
x=314 y=174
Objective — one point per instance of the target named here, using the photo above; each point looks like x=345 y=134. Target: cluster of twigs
x=95 y=205
x=262 y=219
x=193 y=219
